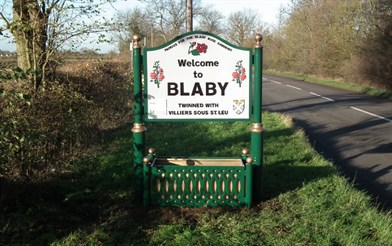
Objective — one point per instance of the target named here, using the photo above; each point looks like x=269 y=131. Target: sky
x=268 y=10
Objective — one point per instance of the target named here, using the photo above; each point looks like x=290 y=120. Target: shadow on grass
x=203 y=138
x=289 y=164
x=281 y=178
x=41 y=212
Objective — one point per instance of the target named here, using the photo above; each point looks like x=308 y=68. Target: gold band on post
x=138 y=128
x=257 y=127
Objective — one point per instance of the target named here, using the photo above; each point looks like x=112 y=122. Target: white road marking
x=276 y=82
x=331 y=100
x=297 y=88
x=326 y=98
x=369 y=113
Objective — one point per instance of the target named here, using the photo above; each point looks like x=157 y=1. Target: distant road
x=353 y=130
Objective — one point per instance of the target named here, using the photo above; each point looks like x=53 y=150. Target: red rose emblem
x=201 y=48
x=243 y=70
x=161 y=77
x=235 y=75
x=153 y=75
x=243 y=77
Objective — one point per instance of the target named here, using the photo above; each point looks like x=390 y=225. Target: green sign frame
x=215 y=80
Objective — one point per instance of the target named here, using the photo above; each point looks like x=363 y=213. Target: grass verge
x=334 y=83
x=305 y=201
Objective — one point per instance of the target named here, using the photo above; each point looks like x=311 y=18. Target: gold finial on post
x=245 y=151
x=258 y=38
x=249 y=160
x=146 y=160
x=136 y=41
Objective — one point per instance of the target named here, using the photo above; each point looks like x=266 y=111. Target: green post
x=147 y=183
x=138 y=126
x=257 y=126
x=249 y=181
x=147 y=160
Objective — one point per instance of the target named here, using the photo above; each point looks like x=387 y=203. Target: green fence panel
x=200 y=186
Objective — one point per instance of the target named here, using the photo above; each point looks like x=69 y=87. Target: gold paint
x=146 y=160
x=249 y=160
x=257 y=127
x=198 y=162
x=136 y=41
x=138 y=128
x=159 y=186
x=258 y=38
x=245 y=151
x=166 y=185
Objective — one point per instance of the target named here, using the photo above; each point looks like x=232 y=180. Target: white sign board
x=197 y=76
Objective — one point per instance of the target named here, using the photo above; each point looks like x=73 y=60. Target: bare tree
x=169 y=16
x=241 y=25
x=321 y=36
x=376 y=48
x=210 y=20
x=134 y=21
x=40 y=27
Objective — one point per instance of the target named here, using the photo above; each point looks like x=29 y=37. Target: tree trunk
x=189 y=16
x=29 y=29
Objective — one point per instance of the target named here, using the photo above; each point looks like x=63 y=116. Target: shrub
x=41 y=131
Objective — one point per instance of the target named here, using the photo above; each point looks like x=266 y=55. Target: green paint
x=200 y=185
x=138 y=129
x=257 y=137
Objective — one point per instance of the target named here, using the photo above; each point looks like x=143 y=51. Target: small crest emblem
x=239 y=106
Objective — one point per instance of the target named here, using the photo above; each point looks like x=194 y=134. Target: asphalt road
x=351 y=129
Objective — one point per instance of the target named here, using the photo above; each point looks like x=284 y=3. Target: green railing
x=209 y=182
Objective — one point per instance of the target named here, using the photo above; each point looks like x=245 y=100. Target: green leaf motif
x=195 y=53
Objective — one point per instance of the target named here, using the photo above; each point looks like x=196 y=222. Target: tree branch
x=4 y=19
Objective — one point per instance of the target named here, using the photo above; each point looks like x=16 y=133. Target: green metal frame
x=257 y=126
x=217 y=185
x=138 y=130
